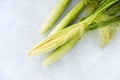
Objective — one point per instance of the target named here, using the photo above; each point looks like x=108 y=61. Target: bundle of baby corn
x=100 y=14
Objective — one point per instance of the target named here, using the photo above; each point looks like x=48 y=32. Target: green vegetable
x=65 y=35
x=101 y=14
x=54 y=15
x=63 y=49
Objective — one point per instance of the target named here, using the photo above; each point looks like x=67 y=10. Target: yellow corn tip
x=40 y=48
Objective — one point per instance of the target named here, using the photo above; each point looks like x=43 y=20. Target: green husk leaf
x=114 y=9
x=100 y=24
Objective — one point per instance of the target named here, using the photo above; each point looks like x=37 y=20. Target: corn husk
x=54 y=15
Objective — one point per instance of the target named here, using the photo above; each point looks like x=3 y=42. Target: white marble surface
x=19 y=24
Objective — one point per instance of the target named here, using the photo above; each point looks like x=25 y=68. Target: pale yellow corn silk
x=58 y=39
x=107 y=34
x=104 y=35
